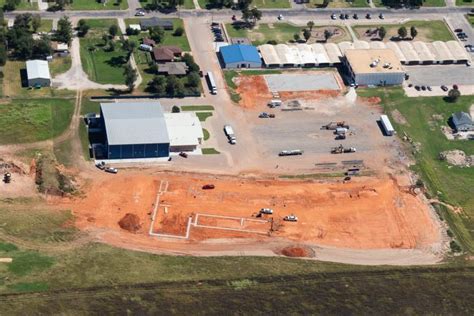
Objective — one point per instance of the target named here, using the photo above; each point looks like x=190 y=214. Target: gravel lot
x=301 y=82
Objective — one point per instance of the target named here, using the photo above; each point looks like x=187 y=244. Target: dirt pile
x=130 y=222
x=457 y=158
x=297 y=252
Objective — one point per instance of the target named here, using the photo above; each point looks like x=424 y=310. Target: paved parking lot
x=437 y=75
x=301 y=82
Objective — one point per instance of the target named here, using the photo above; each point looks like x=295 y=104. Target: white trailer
x=229 y=132
x=389 y=130
x=211 y=82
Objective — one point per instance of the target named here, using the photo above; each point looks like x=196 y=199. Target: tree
x=157 y=34
x=3 y=54
x=113 y=30
x=310 y=24
x=382 y=32
x=172 y=85
x=60 y=4
x=296 y=37
x=179 y=31
x=130 y=76
x=11 y=5
x=82 y=28
x=193 y=80
x=244 y=4
x=251 y=16
x=129 y=47
x=175 y=109
x=64 y=32
x=327 y=35
x=453 y=95
x=189 y=60
x=42 y=47
x=306 y=34
x=36 y=22
x=402 y=32
x=157 y=85
x=413 y=32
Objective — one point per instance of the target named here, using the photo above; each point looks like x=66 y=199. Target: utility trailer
x=335 y=125
x=342 y=150
x=212 y=83
x=229 y=132
x=294 y=152
x=387 y=125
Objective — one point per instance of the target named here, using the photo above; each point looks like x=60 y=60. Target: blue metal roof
x=240 y=53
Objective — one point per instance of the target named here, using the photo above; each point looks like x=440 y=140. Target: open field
x=96 y=5
x=31 y=120
x=464 y=3
x=436 y=290
x=102 y=66
x=24 y=5
x=453 y=185
x=428 y=31
x=283 y=33
x=46 y=25
x=470 y=18
x=60 y=65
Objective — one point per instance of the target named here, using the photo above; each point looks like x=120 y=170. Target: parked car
x=333 y=16
x=290 y=218
x=100 y=165
x=444 y=88
x=214 y=24
x=410 y=85
x=208 y=187
x=140 y=13
x=280 y=17
x=111 y=170
x=183 y=154
x=458 y=30
x=423 y=88
x=266 y=211
x=266 y=115
x=381 y=16
x=234 y=18
x=417 y=88
x=428 y=88
x=219 y=39
x=342 y=16
x=346 y=16
x=355 y=16
x=368 y=16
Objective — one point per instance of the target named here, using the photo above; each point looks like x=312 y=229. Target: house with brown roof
x=166 y=53
x=149 y=41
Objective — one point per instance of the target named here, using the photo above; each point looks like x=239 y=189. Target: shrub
x=175 y=109
x=179 y=31
x=455 y=246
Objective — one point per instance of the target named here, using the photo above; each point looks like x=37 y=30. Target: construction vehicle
x=100 y=165
x=7 y=177
x=229 y=132
x=335 y=125
x=266 y=115
x=342 y=150
x=266 y=211
x=294 y=152
x=290 y=218
x=208 y=187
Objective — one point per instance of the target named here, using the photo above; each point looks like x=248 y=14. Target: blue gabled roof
x=240 y=53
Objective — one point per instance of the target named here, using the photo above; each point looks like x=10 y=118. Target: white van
x=274 y=103
x=145 y=47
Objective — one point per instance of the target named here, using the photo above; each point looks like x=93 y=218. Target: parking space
x=301 y=82
x=437 y=75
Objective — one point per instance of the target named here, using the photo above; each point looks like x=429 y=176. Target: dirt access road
x=371 y=218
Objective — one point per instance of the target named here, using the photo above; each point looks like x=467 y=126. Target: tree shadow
x=117 y=61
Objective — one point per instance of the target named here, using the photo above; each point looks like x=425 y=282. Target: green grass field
x=203 y=115
x=60 y=65
x=95 y=5
x=23 y=6
x=169 y=39
x=197 y=108
x=347 y=4
x=279 y=32
x=455 y=184
x=464 y=3
x=31 y=120
x=428 y=31
x=426 y=3
x=206 y=134
x=210 y=151
x=262 y=4
x=470 y=18
x=102 y=66
x=46 y=25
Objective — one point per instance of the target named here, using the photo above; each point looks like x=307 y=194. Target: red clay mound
x=297 y=252
x=130 y=222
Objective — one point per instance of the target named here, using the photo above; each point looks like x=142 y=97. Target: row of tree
x=173 y=86
x=402 y=32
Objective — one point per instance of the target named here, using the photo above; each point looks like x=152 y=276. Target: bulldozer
x=342 y=150
x=334 y=125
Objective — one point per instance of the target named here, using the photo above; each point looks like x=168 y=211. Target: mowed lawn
x=169 y=38
x=96 y=5
x=31 y=120
x=24 y=5
x=426 y=3
x=428 y=31
x=465 y=3
x=455 y=184
x=102 y=66
x=60 y=65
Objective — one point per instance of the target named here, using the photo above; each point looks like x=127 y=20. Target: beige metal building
x=374 y=67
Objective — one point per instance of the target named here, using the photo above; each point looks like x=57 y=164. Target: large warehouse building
x=139 y=130
x=134 y=130
x=240 y=56
x=374 y=67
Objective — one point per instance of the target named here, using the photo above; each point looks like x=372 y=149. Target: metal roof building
x=409 y=52
x=134 y=130
x=344 y=46
x=240 y=56
x=377 y=45
x=361 y=45
x=37 y=72
x=398 y=52
x=462 y=121
x=306 y=55
x=458 y=52
x=333 y=52
x=269 y=55
x=319 y=52
x=424 y=53
x=184 y=130
x=286 y=56
x=441 y=52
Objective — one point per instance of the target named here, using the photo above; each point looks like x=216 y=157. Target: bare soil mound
x=297 y=252
x=457 y=158
x=130 y=222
